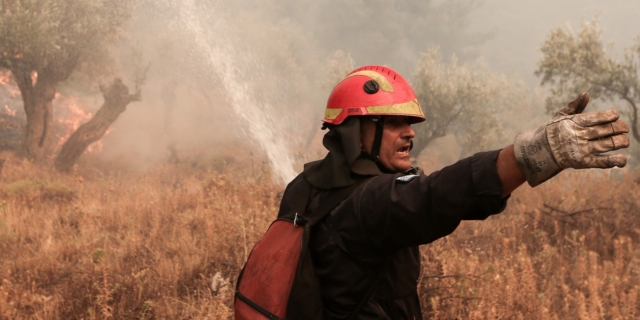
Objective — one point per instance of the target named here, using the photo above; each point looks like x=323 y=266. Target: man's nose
x=408 y=132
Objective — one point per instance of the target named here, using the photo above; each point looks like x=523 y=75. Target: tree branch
x=634 y=118
x=116 y=99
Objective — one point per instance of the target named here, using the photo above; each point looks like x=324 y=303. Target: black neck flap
x=345 y=163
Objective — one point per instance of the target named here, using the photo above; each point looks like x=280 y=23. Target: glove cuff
x=534 y=156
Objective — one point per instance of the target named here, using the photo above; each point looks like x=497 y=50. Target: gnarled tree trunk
x=38 y=89
x=38 y=107
x=116 y=99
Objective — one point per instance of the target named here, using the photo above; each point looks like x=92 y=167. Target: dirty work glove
x=571 y=139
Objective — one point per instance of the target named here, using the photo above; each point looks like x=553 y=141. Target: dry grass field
x=168 y=243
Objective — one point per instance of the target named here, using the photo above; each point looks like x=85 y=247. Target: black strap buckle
x=299 y=221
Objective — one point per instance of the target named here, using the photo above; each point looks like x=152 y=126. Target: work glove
x=572 y=139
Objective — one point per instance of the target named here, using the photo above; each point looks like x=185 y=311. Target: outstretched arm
x=510 y=174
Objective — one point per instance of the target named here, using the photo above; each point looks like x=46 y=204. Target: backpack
x=278 y=280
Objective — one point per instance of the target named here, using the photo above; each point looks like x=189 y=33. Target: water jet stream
x=226 y=61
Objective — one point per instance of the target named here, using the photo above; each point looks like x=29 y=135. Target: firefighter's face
x=396 y=141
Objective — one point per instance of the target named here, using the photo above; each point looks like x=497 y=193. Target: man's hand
x=572 y=139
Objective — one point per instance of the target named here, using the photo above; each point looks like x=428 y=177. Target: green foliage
x=31 y=190
x=577 y=62
x=462 y=100
x=337 y=66
x=98 y=254
x=66 y=34
x=43 y=42
x=146 y=311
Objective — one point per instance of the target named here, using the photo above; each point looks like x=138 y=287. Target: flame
x=4 y=77
x=9 y=111
x=34 y=77
x=9 y=91
x=68 y=113
x=8 y=84
x=70 y=116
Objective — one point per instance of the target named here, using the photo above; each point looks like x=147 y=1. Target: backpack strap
x=324 y=208
x=305 y=300
x=301 y=203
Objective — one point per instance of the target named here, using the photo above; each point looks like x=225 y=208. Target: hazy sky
x=521 y=26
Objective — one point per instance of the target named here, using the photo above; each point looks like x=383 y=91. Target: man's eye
x=392 y=123
x=395 y=122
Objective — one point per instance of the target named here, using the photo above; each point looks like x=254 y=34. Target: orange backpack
x=279 y=281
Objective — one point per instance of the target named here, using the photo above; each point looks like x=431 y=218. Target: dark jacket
x=381 y=225
x=376 y=231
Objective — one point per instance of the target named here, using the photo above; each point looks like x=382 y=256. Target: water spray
x=227 y=62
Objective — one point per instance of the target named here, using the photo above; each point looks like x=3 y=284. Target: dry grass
x=139 y=246
x=168 y=243
x=565 y=250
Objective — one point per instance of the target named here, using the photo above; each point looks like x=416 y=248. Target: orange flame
x=68 y=113
x=9 y=111
x=71 y=116
x=4 y=77
x=9 y=84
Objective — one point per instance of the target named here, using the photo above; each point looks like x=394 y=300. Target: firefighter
x=365 y=252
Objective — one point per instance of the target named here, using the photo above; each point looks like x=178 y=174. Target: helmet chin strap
x=377 y=140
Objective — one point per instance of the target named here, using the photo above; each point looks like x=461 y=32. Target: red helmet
x=372 y=91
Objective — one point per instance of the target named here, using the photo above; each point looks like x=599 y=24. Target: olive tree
x=576 y=62
x=43 y=42
x=467 y=101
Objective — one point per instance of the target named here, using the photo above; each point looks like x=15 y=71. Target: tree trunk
x=2 y=161
x=116 y=99
x=38 y=88
x=634 y=118
x=38 y=107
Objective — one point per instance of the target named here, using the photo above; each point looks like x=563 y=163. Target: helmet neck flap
x=369 y=91
x=344 y=163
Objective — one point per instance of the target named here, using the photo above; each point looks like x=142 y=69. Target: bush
x=30 y=191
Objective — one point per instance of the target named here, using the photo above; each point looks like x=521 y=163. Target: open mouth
x=404 y=151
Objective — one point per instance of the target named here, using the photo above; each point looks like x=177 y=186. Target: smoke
x=234 y=78
x=230 y=78
x=521 y=27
